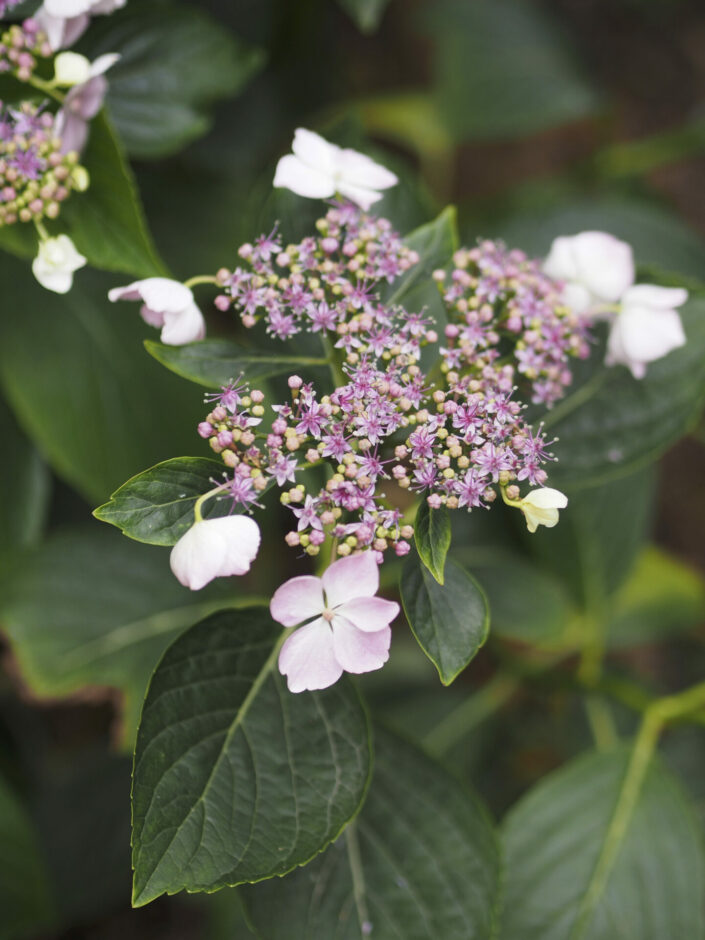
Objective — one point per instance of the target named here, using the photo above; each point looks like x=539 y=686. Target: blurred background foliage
x=535 y=119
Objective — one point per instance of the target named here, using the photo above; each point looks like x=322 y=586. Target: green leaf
x=75 y=373
x=450 y=622
x=502 y=70
x=175 y=62
x=661 y=598
x=25 y=894
x=580 y=868
x=215 y=362
x=366 y=13
x=599 y=537
x=157 y=506
x=432 y=536
x=89 y=608
x=24 y=487
x=106 y=222
x=237 y=779
x=420 y=863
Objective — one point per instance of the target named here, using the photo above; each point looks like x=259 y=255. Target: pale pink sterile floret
x=647 y=328
x=65 y=21
x=167 y=304
x=348 y=626
x=82 y=104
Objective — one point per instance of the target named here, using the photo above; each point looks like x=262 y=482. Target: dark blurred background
x=536 y=119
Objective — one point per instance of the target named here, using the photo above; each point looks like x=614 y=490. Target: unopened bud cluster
x=499 y=299
x=20 y=48
x=35 y=176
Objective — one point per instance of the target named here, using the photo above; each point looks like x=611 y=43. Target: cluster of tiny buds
x=35 y=176
x=20 y=47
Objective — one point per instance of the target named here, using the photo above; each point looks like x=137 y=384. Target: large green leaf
x=215 y=362
x=24 y=486
x=75 y=373
x=432 y=536
x=90 y=608
x=157 y=506
x=580 y=868
x=612 y=423
x=450 y=621
x=366 y=13
x=502 y=70
x=106 y=222
x=175 y=62
x=25 y=894
x=236 y=779
x=419 y=863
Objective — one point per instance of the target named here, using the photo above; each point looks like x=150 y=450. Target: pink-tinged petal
x=72 y=129
x=368 y=614
x=152 y=317
x=186 y=326
x=67 y=8
x=242 y=540
x=650 y=295
x=104 y=62
x=307 y=658
x=86 y=100
x=292 y=173
x=315 y=152
x=359 y=652
x=354 y=576
x=165 y=294
x=130 y=292
x=297 y=600
x=560 y=263
x=604 y=263
x=359 y=170
x=197 y=557
x=358 y=194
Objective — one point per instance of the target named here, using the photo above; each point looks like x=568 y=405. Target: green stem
x=601 y=722
x=202 y=499
x=470 y=713
x=358 y=877
x=47 y=88
x=200 y=279
x=41 y=230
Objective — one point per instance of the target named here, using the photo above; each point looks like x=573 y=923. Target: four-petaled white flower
x=647 y=328
x=84 y=100
x=540 y=507
x=65 y=21
x=167 y=304
x=318 y=169
x=596 y=269
x=346 y=627
x=56 y=262
x=215 y=548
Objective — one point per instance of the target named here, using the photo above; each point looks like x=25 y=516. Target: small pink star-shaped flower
x=346 y=628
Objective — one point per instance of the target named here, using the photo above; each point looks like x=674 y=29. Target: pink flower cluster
x=20 y=47
x=498 y=297
x=35 y=176
x=386 y=427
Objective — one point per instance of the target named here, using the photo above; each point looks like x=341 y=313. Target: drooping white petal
x=67 y=8
x=358 y=169
x=357 y=194
x=152 y=317
x=307 y=658
x=651 y=295
x=104 y=62
x=315 y=151
x=368 y=614
x=292 y=173
x=359 y=652
x=640 y=335
x=354 y=576
x=106 y=6
x=297 y=600
x=214 y=548
x=242 y=539
x=560 y=262
x=540 y=507
x=577 y=297
x=164 y=294
x=605 y=265
x=183 y=326
x=129 y=292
